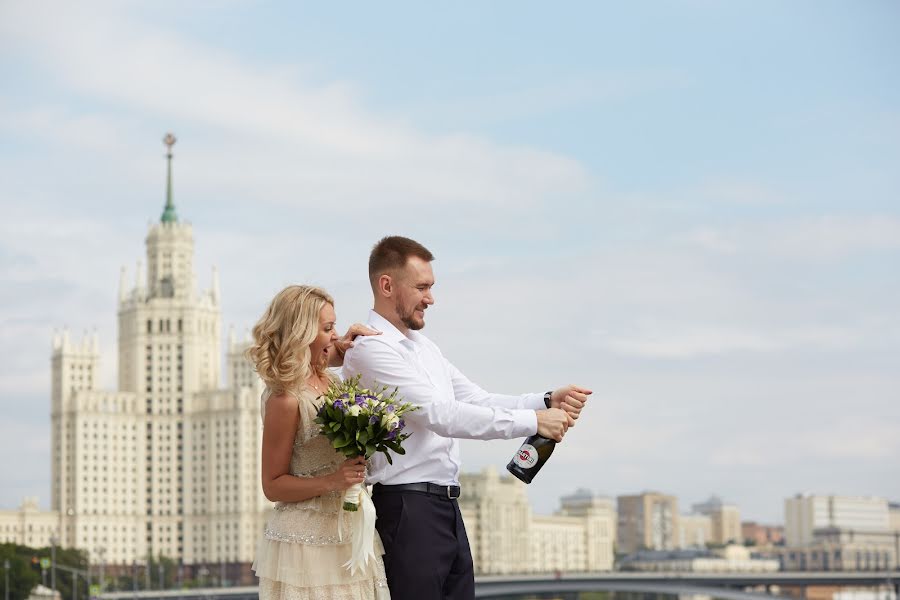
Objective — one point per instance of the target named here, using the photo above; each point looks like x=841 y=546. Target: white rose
x=388 y=420
x=353 y=410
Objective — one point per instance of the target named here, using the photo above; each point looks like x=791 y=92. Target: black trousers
x=427 y=555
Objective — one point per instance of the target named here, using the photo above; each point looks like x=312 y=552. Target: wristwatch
x=547 y=397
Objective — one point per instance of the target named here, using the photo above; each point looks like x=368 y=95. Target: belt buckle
x=450 y=495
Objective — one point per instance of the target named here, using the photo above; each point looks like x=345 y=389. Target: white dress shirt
x=450 y=406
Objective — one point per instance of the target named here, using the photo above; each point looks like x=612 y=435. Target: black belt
x=450 y=492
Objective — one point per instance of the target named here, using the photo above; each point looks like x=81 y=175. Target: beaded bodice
x=312 y=521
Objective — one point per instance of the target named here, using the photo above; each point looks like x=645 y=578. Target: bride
x=302 y=552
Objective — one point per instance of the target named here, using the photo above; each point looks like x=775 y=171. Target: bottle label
x=526 y=457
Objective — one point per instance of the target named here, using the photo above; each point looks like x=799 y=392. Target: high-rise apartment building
x=804 y=514
x=168 y=465
x=694 y=531
x=725 y=520
x=647 y=521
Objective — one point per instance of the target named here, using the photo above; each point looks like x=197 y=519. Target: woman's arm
x=279 y=430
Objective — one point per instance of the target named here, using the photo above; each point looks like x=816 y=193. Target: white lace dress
x=301 y=556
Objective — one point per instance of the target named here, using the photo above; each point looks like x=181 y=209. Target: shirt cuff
x=526 y=422
x=534 y=402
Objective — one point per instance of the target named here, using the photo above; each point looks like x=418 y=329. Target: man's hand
x=571 y=399
x=552 y=423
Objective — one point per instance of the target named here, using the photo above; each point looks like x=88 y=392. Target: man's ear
x=385 y=285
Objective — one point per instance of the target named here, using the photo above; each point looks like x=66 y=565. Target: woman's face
x=326 y=337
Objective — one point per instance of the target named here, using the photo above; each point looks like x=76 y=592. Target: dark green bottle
x=530 y=457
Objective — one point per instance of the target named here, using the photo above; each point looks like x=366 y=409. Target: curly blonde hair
x=281 y=338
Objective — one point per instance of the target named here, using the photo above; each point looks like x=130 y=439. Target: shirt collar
x=387 y=329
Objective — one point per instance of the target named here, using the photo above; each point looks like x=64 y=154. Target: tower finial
x=169 y=215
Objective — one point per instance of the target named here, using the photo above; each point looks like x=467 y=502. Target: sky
x=689 y=207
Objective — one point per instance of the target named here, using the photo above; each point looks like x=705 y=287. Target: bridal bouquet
x=360 y=422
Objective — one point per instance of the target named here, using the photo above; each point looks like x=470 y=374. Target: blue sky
x=691 y=207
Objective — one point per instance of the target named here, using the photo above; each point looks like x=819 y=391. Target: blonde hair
x=281 y=338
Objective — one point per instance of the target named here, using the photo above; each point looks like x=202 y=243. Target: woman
x=302 y=553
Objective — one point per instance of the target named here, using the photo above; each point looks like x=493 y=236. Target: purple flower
x=373 y=419
x=401 y=424
x=392 y=434
x=390 y=408
x=339 y=405
x=360 y=400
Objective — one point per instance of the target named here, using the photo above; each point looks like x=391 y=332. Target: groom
x=427 y=554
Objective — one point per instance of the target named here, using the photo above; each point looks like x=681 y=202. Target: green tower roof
x=169 y=215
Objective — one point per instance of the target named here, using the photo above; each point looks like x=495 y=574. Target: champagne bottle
x=530 y=457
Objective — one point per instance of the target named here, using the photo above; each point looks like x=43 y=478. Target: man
x=427 y=555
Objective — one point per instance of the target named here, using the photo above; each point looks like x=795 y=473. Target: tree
x=22 y=578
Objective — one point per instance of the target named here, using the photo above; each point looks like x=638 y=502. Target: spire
x=123 y=286
x=169 y=215
x=214 y=292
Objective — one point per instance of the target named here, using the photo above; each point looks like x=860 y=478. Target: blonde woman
x=302 y=553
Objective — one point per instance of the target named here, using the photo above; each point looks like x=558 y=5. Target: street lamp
x=102 y=552
x=6 y=568
x=53 y=542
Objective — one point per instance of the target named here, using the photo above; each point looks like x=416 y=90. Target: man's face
x=412 y=292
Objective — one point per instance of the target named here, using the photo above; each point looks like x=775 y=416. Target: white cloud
x=686 y=341
x=821 y=238
x=286 y=137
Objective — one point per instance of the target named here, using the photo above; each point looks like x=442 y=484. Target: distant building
x=803 y=514
x=725 y=518
x=762 y=535
x=506 y=538
x=694 y=531
x=834 y=533
x=838 y=550
x=730 y=559
x=29 y=526
x=894 y=516
x=647 y=521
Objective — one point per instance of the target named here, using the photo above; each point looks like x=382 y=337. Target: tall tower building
x=647 y=521
x=169 y=464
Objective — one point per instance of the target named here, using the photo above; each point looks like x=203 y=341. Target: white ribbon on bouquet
x=363 y=526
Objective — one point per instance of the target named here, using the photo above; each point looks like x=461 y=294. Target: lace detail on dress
x=275 y=590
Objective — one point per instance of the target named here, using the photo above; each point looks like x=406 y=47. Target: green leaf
x=342 y=442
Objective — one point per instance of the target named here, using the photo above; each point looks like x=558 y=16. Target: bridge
x=728 y=586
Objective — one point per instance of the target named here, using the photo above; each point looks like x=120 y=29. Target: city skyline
x=685 y=208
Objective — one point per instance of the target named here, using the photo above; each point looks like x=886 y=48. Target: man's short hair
x=392 y=252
